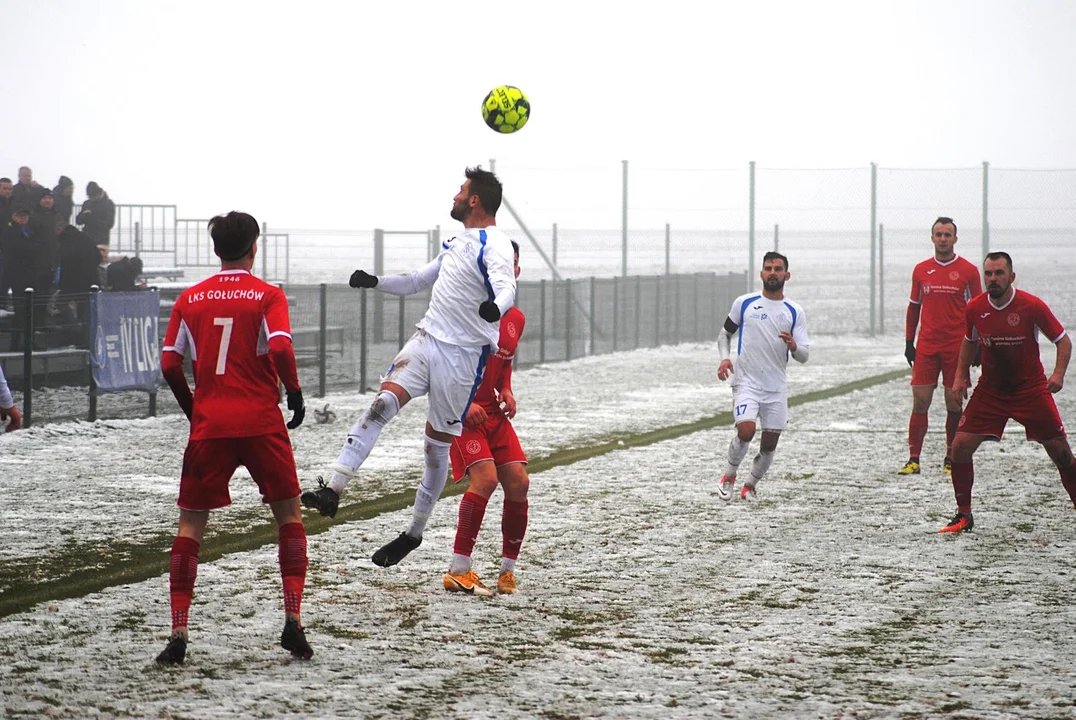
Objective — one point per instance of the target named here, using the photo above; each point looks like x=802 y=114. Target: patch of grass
x=69 y=571
x=341 y=632
x=1024 y=527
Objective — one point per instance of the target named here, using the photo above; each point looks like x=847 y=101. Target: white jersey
x=6 y=401
x=763 y=355
x=473 y=266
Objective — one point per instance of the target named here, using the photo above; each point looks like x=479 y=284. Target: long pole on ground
x=986 y=208
x=751 y=225
x=624 y=222
x=874 y=239
x=881 y=279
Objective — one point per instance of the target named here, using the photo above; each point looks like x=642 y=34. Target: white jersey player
x=770 y=328
x=473 y=283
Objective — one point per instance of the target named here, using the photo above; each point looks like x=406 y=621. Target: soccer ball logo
x=506 y=109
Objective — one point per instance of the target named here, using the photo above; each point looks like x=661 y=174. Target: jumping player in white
x=473 y=283
x=771 y=327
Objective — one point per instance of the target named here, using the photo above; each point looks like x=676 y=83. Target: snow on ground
x=642 y=594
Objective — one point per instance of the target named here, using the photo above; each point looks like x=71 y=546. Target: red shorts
x=986 y=414
x=208 y=466
x=929 y=364
x=494 y=440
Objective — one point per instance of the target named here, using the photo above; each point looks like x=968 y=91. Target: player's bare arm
x=1056 y=381
x=962 y=378
x=724 y=348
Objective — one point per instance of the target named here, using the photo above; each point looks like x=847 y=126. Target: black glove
x=362 y=279
x=909 y=352
x=977 y=358
x=489 y=311
x=298 y=408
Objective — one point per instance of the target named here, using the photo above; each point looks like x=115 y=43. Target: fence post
x=400 y=329
x=695 y=306
x=568 y=320
x=881 y=279
x=676 y=308
x=751 y=223
x=616 y=308
x=94 y=291
x=624 y=224
x=638 y=307
x=874 y=239
x=776 y=237
x=323 y=325
x=379 y=298
x=593 y=320
x=138 y=239
x=554 y=245
x=986 y=208
x=541 y=321
x=668 y=248
x=27 y=357
x=265 y=252
x=363 y=348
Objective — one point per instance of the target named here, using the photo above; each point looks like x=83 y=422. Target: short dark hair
x=233 y=235
x=515 y=247
x=487 y=187
x=999 y=255
x=774 y=255
x=7 y=180
x=943 y=221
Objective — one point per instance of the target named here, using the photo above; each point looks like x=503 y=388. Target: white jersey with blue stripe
x=473 y=266
x=763 y=355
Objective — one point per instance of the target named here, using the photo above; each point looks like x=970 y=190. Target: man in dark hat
x=43 y=230
x=98 y=214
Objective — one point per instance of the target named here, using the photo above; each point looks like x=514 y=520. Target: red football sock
x=917 y=431
x=963 y=478
x=1068 y=479
x=952 y=420
x=182 y=571
x=513 y=528
x=291 y=552
x=472 y=511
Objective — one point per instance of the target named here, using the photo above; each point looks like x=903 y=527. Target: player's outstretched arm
x=1056 y=380
x=406 y=284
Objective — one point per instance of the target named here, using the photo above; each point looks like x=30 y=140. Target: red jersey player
x=236 y=330
x=489 y=452
x=1006 y=323
x=941 y=288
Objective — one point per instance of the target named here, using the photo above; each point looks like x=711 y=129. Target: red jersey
x=225 y=323
x=943 y=290
x=498 y=371
x=1009 y=336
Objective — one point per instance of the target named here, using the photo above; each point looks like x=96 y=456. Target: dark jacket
x=29 y=195
x=63 y=205
x=43 y=229
x=122 y=275
x=78 y=261
x=5 y=212
x=97 y=218
x=25 y=259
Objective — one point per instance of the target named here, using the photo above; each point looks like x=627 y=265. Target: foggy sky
x=355 y=115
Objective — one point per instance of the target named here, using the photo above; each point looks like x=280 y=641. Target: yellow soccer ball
x=506 y=109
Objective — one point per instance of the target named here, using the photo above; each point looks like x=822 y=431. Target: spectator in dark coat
x=98 y=214
x=27 y=191
x=123 y=274
x=6 y=191
x=65 y=197
x=43 y=229
x=25 y=265
x=79 y=259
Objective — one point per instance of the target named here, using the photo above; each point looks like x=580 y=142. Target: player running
x=473 y=285
x=771 y=327
x=1006 y=324
x=236 y=330
x=941 y=289
x=489 y=453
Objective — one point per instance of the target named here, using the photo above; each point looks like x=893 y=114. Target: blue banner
x=125 y=351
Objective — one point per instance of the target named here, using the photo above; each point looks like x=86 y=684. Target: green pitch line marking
x=86 y=568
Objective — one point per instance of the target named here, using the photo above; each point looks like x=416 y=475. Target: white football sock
x=759 y=466
x=737 y=451
x=433 y=482
x=361 y=438
x=460 y=564
x=507 y=565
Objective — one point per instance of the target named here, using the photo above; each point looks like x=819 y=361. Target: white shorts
x=769 y=408
x=449 y=374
